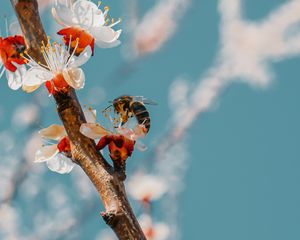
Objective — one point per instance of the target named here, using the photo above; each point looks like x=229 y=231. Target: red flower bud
x=64 y=145
x=10 y=51
x=120 y=147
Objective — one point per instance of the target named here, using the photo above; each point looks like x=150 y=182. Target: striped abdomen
x=141 y=114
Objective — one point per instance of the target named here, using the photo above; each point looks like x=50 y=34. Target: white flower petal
x=99 y=19
x=15 y=78
x=60 y=164
x=54 y=132
x=127 y=132
x=74 y=77
x=141 y=186
x=36 y=76
x=88 y=14
x=45 y=153
x=108 y=45
x=159 y=231
x=162 y=231
x=93 y=130
x=81 y=59
x=63 y=15
x=105 y=34
x=90 y=115
x=30 y=89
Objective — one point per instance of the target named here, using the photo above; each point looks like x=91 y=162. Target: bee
x=133 y=106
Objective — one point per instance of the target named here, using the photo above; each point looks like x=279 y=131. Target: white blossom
x=144 y=187
x=154 y=231
x=87 y=16
x=58 y=62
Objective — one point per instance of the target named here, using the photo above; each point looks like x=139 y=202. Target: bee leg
x=124 y=118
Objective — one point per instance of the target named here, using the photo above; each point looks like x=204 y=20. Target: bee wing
x=144 y=100
x=127 y=132
x=141 y=146
x=93 y=130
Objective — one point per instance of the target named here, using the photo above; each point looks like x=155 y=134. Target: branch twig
x=119 y=215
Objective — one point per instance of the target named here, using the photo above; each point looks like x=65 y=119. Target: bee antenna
x=107 y=108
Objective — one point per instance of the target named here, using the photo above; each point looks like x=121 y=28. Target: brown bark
x=119 y=215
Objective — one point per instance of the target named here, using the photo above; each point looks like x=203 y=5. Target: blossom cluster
x=84 y=25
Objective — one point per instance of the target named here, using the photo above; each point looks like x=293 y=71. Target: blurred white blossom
x=153 y=230
x=32 y=145
x=144 y=187
x=26 y=115
x=9 y=222
x=158 y=25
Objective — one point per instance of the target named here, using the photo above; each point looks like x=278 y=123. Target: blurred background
x=223 y=150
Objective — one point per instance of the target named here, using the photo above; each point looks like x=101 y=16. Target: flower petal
x=60 y=164
x=30 y=89
x=64 y=15
x=90 y=115
x=14 y=79
x=45 y=153
x=82 y=58
x=88 y=14
x=93 y=130
x=108 y=45
x=105 y=34
x=36 y=76
x=74 y=77
x=141 y=186
x=54 y=132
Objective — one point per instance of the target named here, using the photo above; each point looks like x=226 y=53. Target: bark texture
x=119 y=215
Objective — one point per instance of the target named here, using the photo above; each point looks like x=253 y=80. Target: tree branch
x=119 y=215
